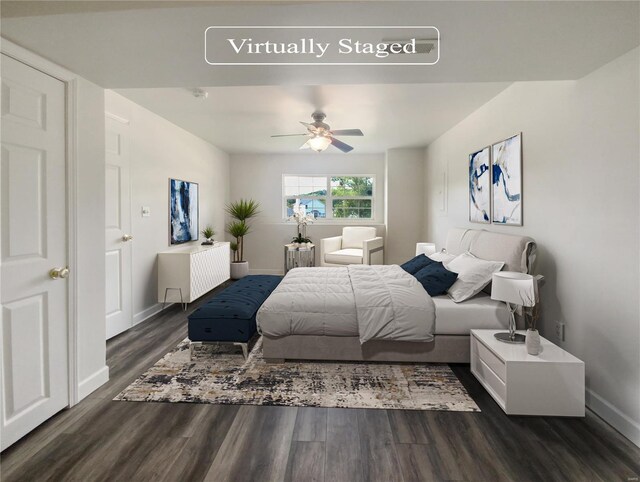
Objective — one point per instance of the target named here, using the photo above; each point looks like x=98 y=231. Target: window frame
x=329 y=198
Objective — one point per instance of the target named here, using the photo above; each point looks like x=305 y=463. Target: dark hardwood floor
x=103 y=440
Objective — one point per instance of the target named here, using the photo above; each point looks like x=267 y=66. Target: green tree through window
x=330 y=197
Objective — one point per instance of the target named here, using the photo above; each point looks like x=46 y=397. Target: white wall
x=581 y=204
x=404 y=203
x=260 y=177
x=90 y=302
x=160 y=150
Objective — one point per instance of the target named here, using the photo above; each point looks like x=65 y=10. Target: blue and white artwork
x=480 y=187
x=507 y=181
x=183 y=211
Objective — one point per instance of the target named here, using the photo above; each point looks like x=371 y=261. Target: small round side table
x=299 y=256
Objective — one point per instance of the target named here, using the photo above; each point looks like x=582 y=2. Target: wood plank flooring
x=103 y=440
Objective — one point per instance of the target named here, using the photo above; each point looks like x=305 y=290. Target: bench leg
x=245 y=349
x=192 y=346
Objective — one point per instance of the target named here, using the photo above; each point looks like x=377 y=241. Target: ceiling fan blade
x=341 y=145
x=347 y=132
x=310 y=127
x=289 y=135
x=305 y=145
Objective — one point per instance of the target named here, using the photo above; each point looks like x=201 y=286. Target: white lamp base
x=511 y=336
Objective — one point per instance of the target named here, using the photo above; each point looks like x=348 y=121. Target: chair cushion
x=354 y=236
x=231 y=314
x=344 y=256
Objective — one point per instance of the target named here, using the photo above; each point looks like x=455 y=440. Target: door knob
x=126 y=237
x=59 y=273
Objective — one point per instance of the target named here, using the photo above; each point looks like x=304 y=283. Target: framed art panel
x=480 y=186
x=506 y=178
x=183 y=211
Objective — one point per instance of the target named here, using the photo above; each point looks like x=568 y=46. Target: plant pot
x=239 y=269
x=533 y=342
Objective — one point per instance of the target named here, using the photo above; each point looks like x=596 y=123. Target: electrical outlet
x=560 y=330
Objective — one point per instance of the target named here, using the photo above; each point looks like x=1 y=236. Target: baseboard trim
x=93 y=382
x=613 y=416
x=278 y=272
x=148 y=313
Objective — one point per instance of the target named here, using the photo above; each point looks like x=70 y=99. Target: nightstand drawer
x=491 y=381
x=487 y=356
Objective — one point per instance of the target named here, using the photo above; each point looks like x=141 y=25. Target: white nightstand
x=551 y=383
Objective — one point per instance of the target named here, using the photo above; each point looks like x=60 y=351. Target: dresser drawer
x=491 y=381
x=495 y=363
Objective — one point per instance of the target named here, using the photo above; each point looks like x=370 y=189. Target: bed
x=296 y=325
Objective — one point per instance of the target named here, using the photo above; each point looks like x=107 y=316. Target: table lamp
x=425 y=248
x=515 y=289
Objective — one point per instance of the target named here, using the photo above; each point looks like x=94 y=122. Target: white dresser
x=185 y=274
x=551 y=383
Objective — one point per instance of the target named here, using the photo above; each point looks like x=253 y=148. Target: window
x=308 y=191
x=330 y=197
x=351 y=197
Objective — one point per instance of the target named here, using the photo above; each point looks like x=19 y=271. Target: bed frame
x=449 y=348
x=518 y=254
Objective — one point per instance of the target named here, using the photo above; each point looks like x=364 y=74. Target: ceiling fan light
x=319 y=143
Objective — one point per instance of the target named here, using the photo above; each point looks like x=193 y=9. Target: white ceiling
x=157 y=46
x=152 y=52
x=242 y=119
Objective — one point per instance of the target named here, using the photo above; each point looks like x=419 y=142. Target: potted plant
x=300 y=241
x=240 y=212
x=208 y=234
x=302 y=219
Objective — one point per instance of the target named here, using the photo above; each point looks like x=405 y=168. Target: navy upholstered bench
x=230 y=316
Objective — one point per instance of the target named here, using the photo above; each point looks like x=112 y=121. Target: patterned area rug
x=218 y=374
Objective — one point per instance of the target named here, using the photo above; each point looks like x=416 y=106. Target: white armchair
x=357 y=245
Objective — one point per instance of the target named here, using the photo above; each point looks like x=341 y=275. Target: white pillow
x=442 y=256
x=473 y=275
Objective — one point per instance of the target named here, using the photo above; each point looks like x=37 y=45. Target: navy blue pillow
x=416 y=264
x=435 y=278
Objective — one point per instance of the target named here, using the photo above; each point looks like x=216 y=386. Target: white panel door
x=33 y=335
x=118 y=228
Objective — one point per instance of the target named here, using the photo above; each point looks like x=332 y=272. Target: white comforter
x=372 y=302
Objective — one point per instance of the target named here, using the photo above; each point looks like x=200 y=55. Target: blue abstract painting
x=507 y=181
x=479 y=187
x=183 y=211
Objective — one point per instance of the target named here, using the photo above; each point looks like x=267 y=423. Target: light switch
x=146 y=211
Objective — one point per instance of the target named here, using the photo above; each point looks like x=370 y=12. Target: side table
x=550 y=384
x=299 y=256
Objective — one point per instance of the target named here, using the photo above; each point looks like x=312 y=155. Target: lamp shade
x=513 y=287
x=425 y=248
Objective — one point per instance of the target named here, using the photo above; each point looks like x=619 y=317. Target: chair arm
x=371 y=246
x=329 y=245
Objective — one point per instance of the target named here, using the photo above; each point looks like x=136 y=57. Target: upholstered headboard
x=517 y=252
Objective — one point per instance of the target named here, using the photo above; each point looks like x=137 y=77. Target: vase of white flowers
x=303 y=219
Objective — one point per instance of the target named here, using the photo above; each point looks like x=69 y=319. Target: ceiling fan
x=321 y=136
